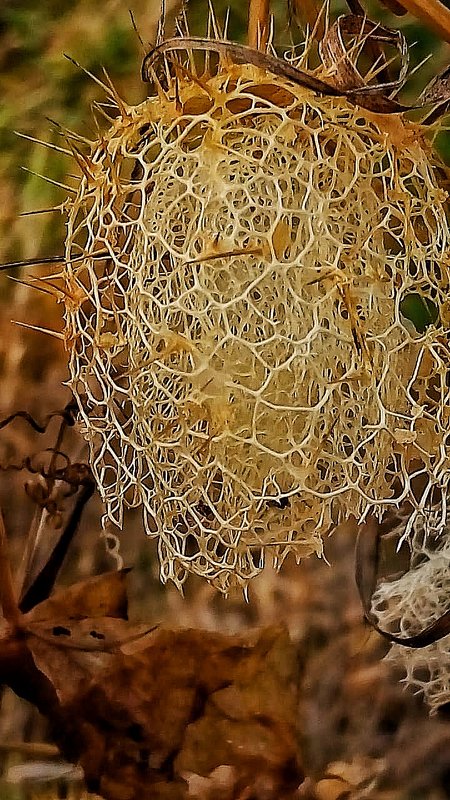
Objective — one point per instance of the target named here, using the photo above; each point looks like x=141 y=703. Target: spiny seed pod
x=258 y=320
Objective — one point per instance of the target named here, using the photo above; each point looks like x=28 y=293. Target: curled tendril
x=75 y=474
x=68 y=415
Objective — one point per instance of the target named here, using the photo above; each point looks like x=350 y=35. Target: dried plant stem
x=258 y=24
x=33 y=749
x=8 y=598
x=38 y=532
x=432 y=13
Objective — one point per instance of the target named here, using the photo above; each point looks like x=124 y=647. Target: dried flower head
x=258 y=325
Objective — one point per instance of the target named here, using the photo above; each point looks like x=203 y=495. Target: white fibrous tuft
x=241 y=348
x=407 y=606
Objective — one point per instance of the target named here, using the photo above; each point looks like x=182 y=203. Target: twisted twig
x=68 y=414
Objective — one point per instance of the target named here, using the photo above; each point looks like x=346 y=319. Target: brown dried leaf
x=437 y=92
x=184 y=706
x=133 y=707
x=71 y=652
x=343 y=71
x=101 y=596
x=73 y=634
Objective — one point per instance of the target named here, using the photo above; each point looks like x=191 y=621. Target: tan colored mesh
x=408 y=605
x=244 y=370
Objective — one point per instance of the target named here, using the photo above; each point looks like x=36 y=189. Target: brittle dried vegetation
x=360 y=734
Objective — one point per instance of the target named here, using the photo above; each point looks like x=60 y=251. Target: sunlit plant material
x=248 y=365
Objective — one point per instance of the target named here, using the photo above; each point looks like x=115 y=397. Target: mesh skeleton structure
x=235 y=327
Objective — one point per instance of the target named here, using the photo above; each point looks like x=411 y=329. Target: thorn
x=135 y=28
x=415 y=69
x=213 y=21
x=97 y=107
x=191 y=77
x=28 y=284
x=217 y=34
x=109 y=91
x=33 y=262
x=48 y=331
x=180 y=24
x=178 y=105
x=207 y=70
x=83 y=161
x=226 y=23
x=56 y=276
x=160 y=32
x=66 y=133
x=270 y=36
x=152 y=76
x=50 y=180
x=257 y=251
x=53 y=290
x=121 y=105
x=167 y=71
x=49 y=145
x=41 y=211
x=182 y=28
x=45 y=287
x=202 y=85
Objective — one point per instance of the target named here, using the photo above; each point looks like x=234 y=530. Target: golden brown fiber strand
x=258 y=24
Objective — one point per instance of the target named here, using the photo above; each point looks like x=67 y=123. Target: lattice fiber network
x=240 y=344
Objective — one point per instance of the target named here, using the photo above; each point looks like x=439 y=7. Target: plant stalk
x=258 y=24
x=8 y=600
x=432 y=13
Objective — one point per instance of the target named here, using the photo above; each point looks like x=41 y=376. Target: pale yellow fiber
x=243 y=366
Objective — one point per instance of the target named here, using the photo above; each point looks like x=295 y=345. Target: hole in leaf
x=96 y=635
x=59 y=630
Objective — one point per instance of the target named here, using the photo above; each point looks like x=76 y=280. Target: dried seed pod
x=237 y=330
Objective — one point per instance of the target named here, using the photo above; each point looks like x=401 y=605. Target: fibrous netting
x=246 y=368
x=408 y=605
